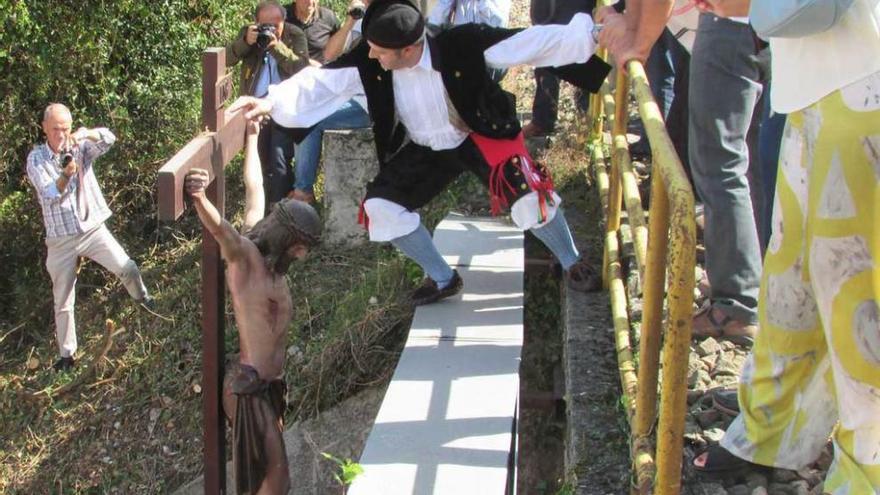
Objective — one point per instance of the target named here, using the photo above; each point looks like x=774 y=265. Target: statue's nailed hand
x=196 y=182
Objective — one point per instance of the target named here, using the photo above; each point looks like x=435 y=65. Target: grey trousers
x=726 y=78
x=100 y=246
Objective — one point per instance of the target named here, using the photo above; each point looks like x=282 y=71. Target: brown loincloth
x=258 y=454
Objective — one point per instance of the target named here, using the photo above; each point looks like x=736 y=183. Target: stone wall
x=349 y=163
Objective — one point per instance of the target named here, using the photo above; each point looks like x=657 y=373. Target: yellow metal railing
x=665 y=254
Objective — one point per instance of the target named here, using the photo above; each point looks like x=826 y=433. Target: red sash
x=499 y=153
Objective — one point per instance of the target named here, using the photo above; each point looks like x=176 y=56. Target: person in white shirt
x=448 y=13
x=436 y=114
x=814 y=371
x=74 y=211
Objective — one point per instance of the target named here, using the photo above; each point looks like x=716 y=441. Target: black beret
x=393 y=23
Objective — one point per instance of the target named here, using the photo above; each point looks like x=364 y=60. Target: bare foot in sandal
x=712 y=322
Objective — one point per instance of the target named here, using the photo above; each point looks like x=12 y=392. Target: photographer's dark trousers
x=276 y=149
x=254 y=407
x=546 y=102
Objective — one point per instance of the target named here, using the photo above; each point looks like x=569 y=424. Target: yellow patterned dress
x=816 y=360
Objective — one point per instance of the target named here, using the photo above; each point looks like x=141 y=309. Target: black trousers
x=545 y=104
x=417 y=174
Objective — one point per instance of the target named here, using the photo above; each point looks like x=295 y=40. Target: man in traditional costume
x=436 y=113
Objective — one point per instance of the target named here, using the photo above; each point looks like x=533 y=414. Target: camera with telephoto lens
x=264 y=35
x=357 y=12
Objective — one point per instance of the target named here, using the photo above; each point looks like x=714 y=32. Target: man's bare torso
x=263 y=310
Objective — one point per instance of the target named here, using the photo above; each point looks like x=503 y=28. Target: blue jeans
x=275 y=147
x=726 y=78
x=349 y=116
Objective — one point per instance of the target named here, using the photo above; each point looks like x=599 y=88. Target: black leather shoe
x=726 y=401
x=429 y=293
x=63 y=364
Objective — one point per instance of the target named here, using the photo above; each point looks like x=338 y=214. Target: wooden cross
x=212 y=150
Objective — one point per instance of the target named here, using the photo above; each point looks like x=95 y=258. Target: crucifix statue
x=212 y=150
x=257 y=259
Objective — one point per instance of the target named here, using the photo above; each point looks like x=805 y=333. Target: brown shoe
x=429 y=293
x=303 y=196
x=712 y=322
x=583 y=277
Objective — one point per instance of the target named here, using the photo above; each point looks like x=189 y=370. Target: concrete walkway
x=447 y=423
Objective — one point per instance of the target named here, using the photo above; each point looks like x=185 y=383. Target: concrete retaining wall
x=349 y=164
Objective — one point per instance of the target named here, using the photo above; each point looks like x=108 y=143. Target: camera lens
x=263 y=40
x=264 y=35
x=356 y=12
x=66 y=158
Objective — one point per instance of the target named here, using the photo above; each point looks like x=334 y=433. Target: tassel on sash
x=502 y=153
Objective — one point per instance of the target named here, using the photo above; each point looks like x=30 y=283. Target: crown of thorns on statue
x=299 y=218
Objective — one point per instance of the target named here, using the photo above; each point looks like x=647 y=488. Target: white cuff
x=389 y=220
x=526 y=211
x=107 y=136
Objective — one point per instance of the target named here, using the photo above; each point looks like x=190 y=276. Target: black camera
x=66 y=157
x=264 y=35
x=357 y=12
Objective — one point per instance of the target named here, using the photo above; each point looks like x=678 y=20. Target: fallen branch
x=49 y=393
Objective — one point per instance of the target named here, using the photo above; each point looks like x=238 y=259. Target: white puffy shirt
x=419 y=95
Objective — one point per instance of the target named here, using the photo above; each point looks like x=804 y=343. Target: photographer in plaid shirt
x=74 y=212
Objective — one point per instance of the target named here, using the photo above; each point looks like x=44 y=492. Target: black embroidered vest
x=457 y=54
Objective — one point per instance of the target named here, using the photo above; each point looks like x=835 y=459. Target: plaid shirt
x=61 y=214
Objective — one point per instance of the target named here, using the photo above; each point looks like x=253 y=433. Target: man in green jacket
x=270 y=50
